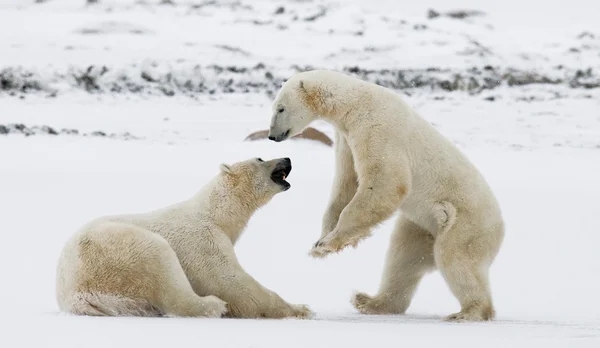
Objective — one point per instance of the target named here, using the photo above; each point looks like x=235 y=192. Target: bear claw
x=319 y=252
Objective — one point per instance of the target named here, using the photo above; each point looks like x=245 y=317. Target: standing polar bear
x=179 y=260
x=388 y=158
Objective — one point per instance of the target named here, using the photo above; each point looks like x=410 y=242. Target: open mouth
x=281 y=172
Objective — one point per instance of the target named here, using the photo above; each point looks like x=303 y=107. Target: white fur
x=176 y=261
x=388 y=158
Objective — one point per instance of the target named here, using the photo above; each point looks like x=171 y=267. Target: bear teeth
x=283 y=176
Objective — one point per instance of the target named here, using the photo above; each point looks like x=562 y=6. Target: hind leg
x=409 y=257
x=125 y=270
x=464 y=254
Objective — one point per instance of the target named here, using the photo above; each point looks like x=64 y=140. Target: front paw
x=336 y=242
x=215 y=307
x=302 y=311
x=318 y=252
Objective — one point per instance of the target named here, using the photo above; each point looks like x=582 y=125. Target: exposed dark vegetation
x=217 y=79
x=22 y=129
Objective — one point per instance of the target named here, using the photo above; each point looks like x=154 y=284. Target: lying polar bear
x=179 y=260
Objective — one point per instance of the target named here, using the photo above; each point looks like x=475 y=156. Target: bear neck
x=227 y=207
x=336 y=101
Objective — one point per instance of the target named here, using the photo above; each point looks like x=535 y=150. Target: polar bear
x=390 y=159
x=180 y=260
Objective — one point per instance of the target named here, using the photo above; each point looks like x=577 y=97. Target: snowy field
x=160 y=95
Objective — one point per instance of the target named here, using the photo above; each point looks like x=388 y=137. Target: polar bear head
x=307 y=96
x=257 y=180
x=295 y=107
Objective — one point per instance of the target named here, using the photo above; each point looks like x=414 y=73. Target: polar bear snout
x=279 y=137
x=282 y=170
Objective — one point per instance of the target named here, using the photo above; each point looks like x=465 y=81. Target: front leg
x=344 y=186
x=379 y=195
x=217 y=272
x=249 y=299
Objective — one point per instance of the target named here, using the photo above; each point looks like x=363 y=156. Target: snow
x=544 y=284
x=538 y=145
x=135 y=29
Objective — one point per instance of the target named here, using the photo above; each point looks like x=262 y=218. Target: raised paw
x=318 y=253
x=320 y=250
x=302 y=311
x=334 y=243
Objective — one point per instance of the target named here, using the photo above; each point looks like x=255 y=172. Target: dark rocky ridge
x=215 y=79
x=22 y=129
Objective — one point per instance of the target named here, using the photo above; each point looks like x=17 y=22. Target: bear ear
x=225 y=168
x=316 y=97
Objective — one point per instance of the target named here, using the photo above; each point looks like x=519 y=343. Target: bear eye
x=281 y=110
x=259 y=159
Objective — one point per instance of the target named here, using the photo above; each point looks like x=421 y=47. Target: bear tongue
x=283 y=176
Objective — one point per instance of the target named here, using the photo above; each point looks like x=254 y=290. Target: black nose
x=287 y=160
x=280 y=137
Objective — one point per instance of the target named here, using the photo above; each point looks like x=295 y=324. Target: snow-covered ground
x=176 y=89
x=545 y=280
